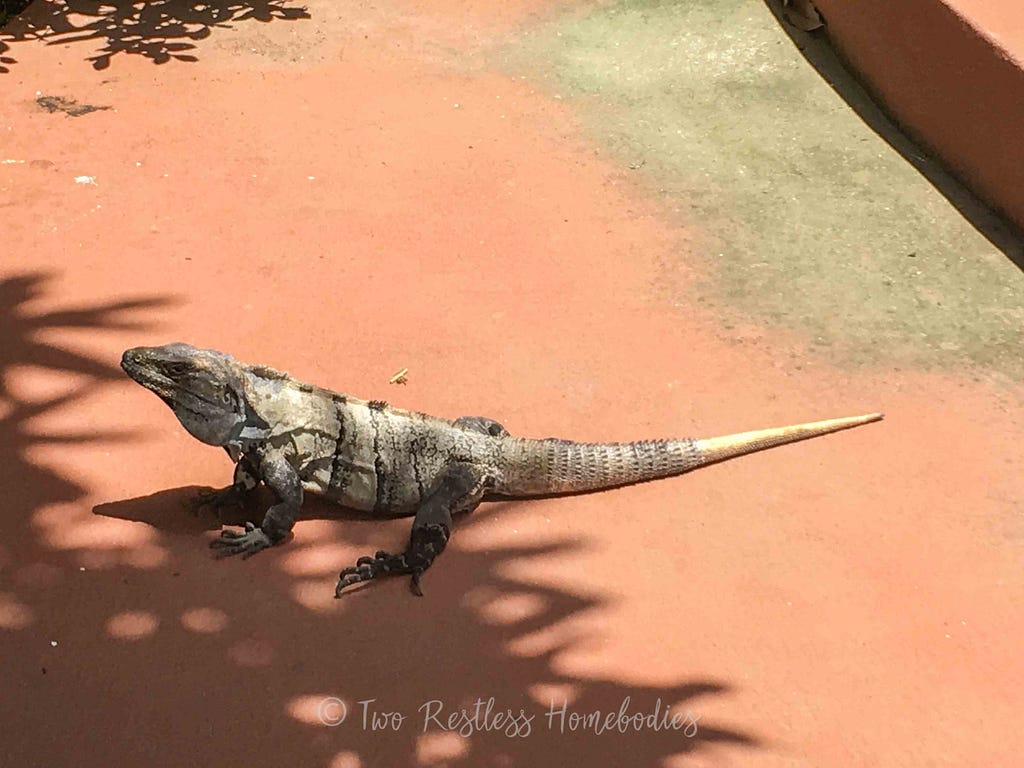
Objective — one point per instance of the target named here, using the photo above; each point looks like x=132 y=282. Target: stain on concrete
x=68 y=106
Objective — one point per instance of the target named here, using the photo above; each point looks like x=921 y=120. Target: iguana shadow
x=174 y=510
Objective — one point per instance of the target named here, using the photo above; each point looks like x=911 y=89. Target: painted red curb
x=952 y=73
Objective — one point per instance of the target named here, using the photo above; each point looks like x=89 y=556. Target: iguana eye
x=228 y=397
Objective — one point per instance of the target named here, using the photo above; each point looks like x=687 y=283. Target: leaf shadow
x=161 y=31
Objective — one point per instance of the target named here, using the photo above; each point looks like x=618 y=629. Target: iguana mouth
x=152 y=380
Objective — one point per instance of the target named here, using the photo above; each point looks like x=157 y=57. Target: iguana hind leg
x=459 y=488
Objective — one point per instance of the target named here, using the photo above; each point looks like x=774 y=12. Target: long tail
x=552 y=466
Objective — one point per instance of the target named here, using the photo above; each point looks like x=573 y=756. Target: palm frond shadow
x=481 y=633
x=22 y=344
x=177 y=643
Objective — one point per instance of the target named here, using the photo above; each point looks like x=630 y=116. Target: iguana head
x=204 y=388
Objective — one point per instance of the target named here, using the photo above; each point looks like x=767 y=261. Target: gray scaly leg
x=458 y=489
x=280 y=476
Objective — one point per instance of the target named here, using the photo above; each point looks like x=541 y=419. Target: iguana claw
x=245 y=543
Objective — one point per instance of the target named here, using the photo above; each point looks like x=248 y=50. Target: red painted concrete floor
x=853 y=600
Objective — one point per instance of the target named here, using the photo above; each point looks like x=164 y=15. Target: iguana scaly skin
x=298 y=438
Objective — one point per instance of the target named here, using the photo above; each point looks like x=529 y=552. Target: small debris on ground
x=400 y=377
x=67 y=106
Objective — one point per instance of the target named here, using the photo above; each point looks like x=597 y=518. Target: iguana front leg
x=279 y=476
x=245 y=480
x=459 y=488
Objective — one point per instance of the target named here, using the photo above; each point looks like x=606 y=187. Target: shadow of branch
x=160 y=31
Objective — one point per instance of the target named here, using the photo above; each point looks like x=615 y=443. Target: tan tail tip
x=836 y=424
x=727 y=446
x=833 y=425
x=867 y=418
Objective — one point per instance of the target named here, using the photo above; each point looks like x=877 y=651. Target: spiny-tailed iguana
x=367 y=455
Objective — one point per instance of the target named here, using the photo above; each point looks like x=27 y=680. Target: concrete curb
x=951 y=72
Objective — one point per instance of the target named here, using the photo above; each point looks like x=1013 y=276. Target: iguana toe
x=426 y=543
x=367 y=568
x=245 y=543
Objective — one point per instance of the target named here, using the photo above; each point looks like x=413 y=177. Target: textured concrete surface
x=809 y=221
x=554 y=216
x=952 y=72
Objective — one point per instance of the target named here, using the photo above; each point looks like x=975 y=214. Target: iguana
x=370 y=456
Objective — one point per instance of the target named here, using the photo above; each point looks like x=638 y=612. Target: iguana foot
x=427 y=542
x=245 y=543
